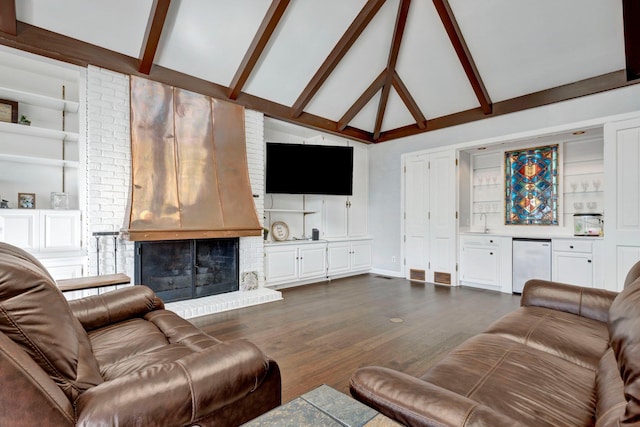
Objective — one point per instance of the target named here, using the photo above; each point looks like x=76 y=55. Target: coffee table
x=323 y=407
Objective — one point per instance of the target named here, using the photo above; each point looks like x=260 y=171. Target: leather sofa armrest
x=176 y=393
x=583 y=301
x=101 y=310
x=415 y=402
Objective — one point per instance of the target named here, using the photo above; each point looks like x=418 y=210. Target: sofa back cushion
x=36 y=316
x=624 y=333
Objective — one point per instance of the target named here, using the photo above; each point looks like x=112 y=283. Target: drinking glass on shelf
x=585 y=185
x=592 y=206
x=574 y=186
x=578 y=206
x=596 y=184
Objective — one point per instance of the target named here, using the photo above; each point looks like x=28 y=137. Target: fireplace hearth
x=186 y=269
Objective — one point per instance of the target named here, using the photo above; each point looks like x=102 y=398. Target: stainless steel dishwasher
x=531 y=260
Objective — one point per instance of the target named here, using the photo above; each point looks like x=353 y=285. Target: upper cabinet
x=40 y=153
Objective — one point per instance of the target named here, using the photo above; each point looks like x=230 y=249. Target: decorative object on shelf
x=8 y=111
x=27 y=200
x=532 y=186
x=265 y=233
x=4 y=204
x=24 y=121
x=280 y=231
x=59 y=200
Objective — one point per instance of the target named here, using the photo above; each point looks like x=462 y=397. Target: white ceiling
x=519 y=47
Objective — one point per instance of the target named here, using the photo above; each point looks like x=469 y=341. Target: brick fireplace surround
x=106 y=190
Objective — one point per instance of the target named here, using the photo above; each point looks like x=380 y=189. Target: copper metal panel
x=190 y=177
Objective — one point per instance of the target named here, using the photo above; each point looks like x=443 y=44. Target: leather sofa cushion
x=610 y=400
x=518 y=381
x=36 y=316
x=580 y=340
x=624 y=331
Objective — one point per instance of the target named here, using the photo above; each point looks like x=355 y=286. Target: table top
x=323 y=407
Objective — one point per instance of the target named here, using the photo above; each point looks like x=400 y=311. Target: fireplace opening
x=186 y=269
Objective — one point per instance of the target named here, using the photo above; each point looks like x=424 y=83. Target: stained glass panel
x=532 y=186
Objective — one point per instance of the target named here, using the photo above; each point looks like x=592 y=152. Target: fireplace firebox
x=186 y=269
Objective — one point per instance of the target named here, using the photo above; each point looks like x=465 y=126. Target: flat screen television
x=309 y=169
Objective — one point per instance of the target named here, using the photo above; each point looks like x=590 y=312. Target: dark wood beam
x=8 y=17
x=366 y=96
x=631 y=18
x=396 y=42
x=260 y=40
x=466 y=60
x=409 y=102
x=56 y=46
x=152 y=35
x=591 y=86
x=342 y=47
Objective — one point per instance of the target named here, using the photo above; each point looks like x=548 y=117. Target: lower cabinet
x=575 y=262
x=294 y=263
x=52 y=236
x=286 y=263
x=485 y=262
x=348 y=257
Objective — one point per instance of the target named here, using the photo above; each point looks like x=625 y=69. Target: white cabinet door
x=312 y=261
x=416 y=211
x=335 y=216
x=573 y=268
x=60 y=230
x=360 y=255
x=281 y=263
x=480 y=266
x=357 y=205
x=338 y=258
x=21 y=229
x=622 y=200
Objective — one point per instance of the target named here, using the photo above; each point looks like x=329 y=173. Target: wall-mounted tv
x=309 y=169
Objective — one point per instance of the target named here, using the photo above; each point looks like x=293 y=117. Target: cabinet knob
x=490 y=253
x=589 y=261
x=490 y=241
x=570 y=246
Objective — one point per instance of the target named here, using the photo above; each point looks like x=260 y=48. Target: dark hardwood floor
x=321 y=333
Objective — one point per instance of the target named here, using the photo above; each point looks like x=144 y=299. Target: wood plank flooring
x=321 y=333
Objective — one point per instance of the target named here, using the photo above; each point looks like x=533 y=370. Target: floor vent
x=442 y=278
x=417 y=275
x=384 y=277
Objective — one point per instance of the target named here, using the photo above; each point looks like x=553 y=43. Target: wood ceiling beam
x=8 y=17
x=591 y=86
x=56 y=46
x=260 y=40
x=366 y=96
x=631 y=18
x=396 y=42
x=339 y=51
x=152 y=34
x=464 y=55
x=409 y=102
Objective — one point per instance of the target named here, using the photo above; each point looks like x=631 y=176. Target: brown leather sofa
x=118 y=359
x=569 y=356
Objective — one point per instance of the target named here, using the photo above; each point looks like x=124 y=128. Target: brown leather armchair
x=117 y=359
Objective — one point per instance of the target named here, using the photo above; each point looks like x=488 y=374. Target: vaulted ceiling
x=371 y=70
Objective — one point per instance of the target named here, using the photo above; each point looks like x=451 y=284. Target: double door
x=430 y=217
x=292 y=262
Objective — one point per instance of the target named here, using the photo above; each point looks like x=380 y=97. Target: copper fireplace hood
x=190 y=178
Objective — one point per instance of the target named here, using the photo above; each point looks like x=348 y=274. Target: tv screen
x=309 y=169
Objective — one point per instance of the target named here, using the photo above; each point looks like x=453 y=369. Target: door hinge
x=405 y=261
x=405 y=238
x=429 y=265
x=456 y=266
x=456 y=214
x=428 y=215
x=405 y=169
x=456 y=162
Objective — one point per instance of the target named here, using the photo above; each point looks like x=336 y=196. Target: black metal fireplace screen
x=185 y=269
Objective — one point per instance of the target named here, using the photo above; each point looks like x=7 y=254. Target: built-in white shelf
x=299 y=211
x=39 y=160
x=39 y=132
x=39 y=100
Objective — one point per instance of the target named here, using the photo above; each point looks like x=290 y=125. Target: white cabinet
x=348 y=257
x=481 y=262
x=429 y=217
x=346 y=216
x=52 y=236
x=292 y=262
x=573 y=262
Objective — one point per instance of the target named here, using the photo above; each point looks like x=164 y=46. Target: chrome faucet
x=486 y=230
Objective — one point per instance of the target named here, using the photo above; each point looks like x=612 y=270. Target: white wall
x=385 y=158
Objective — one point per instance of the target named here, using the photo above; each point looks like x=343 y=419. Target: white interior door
x=442 y=213
x=416 y=211
x=622 y=200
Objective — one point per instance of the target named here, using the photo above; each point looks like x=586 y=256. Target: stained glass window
x=532 y=186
